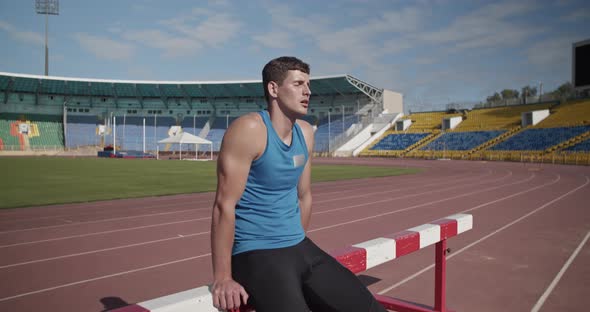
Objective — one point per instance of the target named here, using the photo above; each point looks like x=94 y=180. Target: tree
x=494 y=98
x=528 y=91
x=564 y=91
x=509 y=94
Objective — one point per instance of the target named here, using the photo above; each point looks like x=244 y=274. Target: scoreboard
x=581 y=65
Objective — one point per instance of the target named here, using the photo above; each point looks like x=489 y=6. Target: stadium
x=42 y=114
x=352 y=118
x=101 y=210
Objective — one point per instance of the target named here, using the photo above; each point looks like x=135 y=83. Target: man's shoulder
x=308 y=133
x=245 y=135
x=250 y=123
x=305 y=126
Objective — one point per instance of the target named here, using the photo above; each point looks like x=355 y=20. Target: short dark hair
x=276 y=70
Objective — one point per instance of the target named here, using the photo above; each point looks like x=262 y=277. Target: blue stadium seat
x=539 y=139
x=461 y=141
x=336 y=126
x=583 y=146
x=398 y=141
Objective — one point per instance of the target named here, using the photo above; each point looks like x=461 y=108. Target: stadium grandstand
x=549 y=131
x=40 y=113
x=351 y=118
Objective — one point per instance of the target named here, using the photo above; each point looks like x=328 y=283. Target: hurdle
x=361 y=257
x=357 y=258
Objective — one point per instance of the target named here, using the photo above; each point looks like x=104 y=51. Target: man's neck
x=282 y=124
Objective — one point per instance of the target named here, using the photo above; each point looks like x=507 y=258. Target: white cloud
x=357 y=44
x=577 y=15
x=188 y=33
x=217 y=29
x=56 y=57
x=275 y=40
x=424 y=60
x=219 y=3
x=408 y=19
x=171 y=45
x=105 y=48
x=195 y=12
x=329 y=67
x=116 y=28
x=488 y=26
x=201 y=28
x=551 y=52
x=27 y=37
x=141 y=73
x=389 y=48
x=396 y=45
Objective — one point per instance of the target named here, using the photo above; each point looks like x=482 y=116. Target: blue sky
x=434 y=52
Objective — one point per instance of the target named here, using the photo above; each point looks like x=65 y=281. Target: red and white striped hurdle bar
x=363 y=256
x=357 y=258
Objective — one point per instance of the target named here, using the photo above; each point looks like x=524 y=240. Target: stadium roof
x=21 y=83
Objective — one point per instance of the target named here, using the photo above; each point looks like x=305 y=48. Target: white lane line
x=549 y=289
x=431 y=191
x=513 y=195
x=399 y=190
x=133 y=209
x=113 y=275
x=190 y=199
x=102 y=277
x=131 y=245
x=179 y=236
x=206 y=218
x=71 y=223
x=65 y=207
x=107 y=249
x=407 y=208
x=160 y=224
x=97 y=221
x=484 y=238
x=104 y=232
x=489 y=172
x=119 y=209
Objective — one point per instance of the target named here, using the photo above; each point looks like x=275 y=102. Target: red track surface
x=526 y=248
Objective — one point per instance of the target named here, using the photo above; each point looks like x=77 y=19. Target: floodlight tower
x=47 y=7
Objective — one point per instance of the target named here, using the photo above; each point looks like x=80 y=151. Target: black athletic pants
x=299 y=279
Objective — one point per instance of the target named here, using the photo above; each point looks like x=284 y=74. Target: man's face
x=293 y=94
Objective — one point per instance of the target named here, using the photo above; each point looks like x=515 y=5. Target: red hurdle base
x=439 y=288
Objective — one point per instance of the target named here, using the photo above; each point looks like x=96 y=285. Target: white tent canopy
x=187 y=138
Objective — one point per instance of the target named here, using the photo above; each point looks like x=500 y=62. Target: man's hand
x=227 y=293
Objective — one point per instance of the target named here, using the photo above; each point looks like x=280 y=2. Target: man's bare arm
x=304 y=186
x=240 y=146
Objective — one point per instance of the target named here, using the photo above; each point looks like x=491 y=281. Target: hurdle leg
x=439 y=287
x=440 y=290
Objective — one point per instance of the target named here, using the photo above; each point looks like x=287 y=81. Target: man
x=263 y=206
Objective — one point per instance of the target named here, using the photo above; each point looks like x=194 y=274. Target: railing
x=364 y=121
x=545 y=98
x=32 y=148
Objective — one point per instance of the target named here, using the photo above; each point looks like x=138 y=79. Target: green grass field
x=33 y=181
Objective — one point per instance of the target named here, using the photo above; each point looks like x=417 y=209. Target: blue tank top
x=267 y=214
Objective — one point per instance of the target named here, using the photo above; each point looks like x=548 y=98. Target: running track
x=528 y=249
